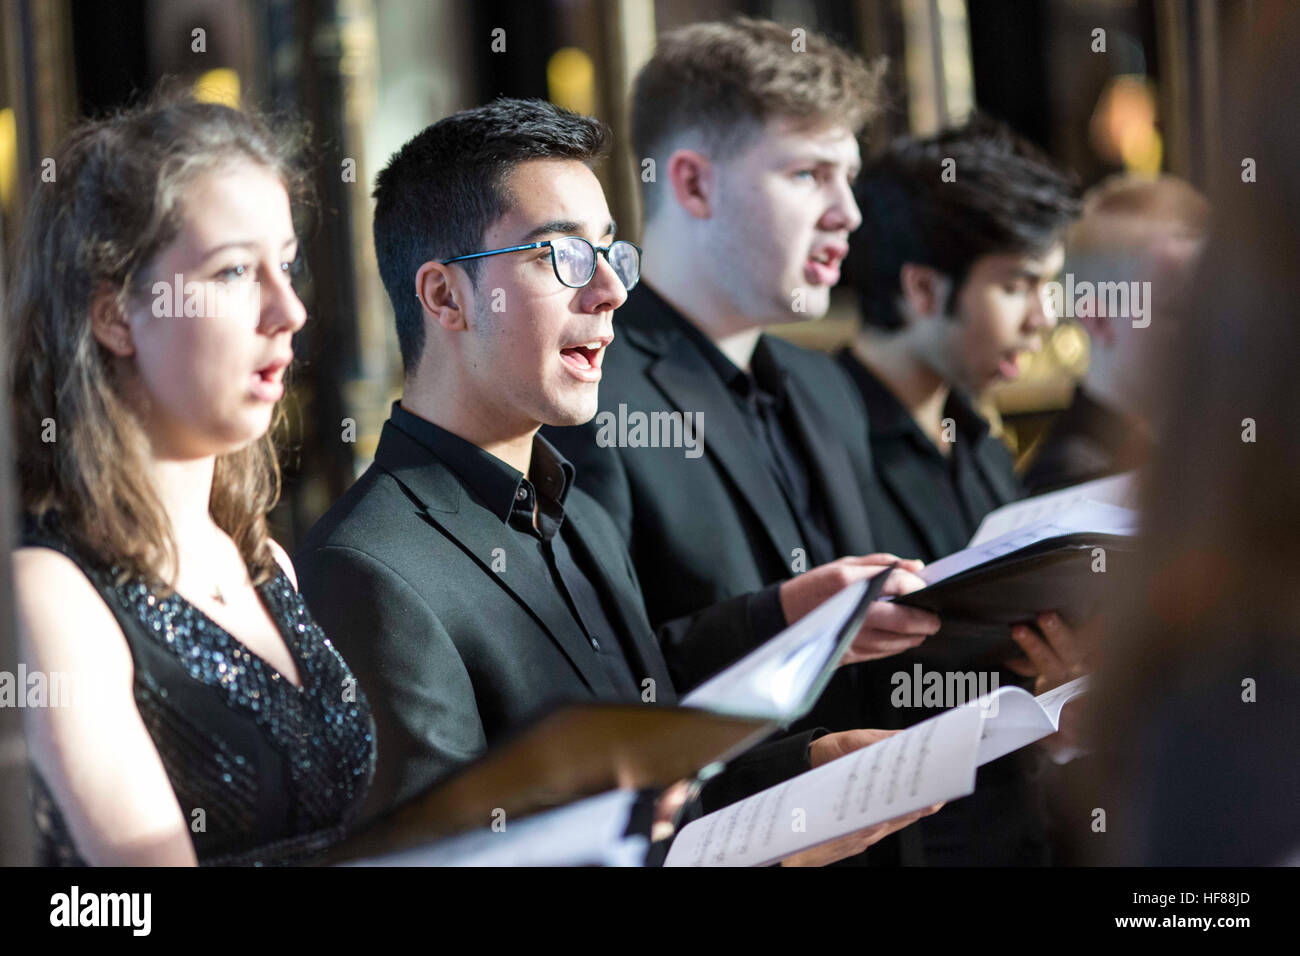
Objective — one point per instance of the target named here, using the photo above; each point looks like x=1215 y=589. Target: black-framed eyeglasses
x=574 y=259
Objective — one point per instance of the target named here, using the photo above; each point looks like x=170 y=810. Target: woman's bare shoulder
x=282 y=558
x=62 y=613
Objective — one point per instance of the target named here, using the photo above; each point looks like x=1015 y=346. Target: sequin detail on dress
x=321 y=733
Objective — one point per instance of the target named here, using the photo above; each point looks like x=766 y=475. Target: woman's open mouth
x=268 y=382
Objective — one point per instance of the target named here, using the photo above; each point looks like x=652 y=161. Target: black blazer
x=713 y=532
x=715 y=528
x=453 y=654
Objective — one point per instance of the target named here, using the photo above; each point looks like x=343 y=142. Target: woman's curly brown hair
x=113 y=205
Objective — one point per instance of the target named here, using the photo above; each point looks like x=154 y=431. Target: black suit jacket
x=715 y=528
x=711 y=537
x=452 y=654
x=713 y=534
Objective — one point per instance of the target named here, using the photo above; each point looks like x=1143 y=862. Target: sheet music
x=1120 y=490
x=588 y=832
x=930 y=762
x=1013 y=718
x=774 y=679
x=1080 y=516
x=1054 y=700
x=923 y=765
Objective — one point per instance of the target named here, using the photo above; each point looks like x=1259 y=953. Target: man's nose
x=1042 y=314
x=843 y=213
x=605 y=291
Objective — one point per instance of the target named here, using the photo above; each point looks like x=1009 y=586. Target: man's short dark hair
x=1000 y=195
x=725 y=80
x=442 y=191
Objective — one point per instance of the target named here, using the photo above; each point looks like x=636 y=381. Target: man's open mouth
x=583 y=356
x=823 y=266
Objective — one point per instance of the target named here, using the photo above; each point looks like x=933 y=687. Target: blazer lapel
x=900 y=471
x=643 y=647
x=833 y=471
x=690 y=383
x=479 y=533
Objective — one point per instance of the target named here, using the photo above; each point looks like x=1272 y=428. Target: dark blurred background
x=1102 y=85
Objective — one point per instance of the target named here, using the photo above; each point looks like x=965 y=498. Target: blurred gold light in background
x=1069 y=347
x=1123 y=126
x=218 y=86
x=571 y=80
x=8 y=156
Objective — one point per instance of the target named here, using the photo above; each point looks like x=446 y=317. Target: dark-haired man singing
x=962 y=232
x=464 y=577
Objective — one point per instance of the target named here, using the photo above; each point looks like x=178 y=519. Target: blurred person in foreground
x=1197 y=710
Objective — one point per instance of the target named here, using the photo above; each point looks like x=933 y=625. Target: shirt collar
x=888 y=417
x=492 y=481
x=766 y=375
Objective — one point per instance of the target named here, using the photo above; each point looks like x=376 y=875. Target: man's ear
x=441 y=291
x=924 y=289
x=691 y=176
x=109 y=324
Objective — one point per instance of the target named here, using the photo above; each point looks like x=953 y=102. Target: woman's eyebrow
x=245 y=244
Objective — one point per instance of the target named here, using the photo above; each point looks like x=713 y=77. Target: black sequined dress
x=265 y=772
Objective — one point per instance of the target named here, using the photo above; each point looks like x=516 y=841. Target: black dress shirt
x=928 y=505
x=762 y=401
x=931 y=503
x=517 y=501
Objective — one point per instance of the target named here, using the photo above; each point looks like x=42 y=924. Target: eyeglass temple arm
x=496 y=252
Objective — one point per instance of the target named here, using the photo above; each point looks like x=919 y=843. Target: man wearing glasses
x=464 y=578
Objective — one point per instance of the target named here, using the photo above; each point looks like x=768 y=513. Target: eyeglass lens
x=575 y=261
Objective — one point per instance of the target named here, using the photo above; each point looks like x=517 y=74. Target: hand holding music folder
x=1051 y=563
x=928 y=763
x=581 y=749
x=783 y=679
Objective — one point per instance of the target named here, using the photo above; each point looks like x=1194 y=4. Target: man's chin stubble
x=567 y=417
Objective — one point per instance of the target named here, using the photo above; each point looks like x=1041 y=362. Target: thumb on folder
x=889 y=628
